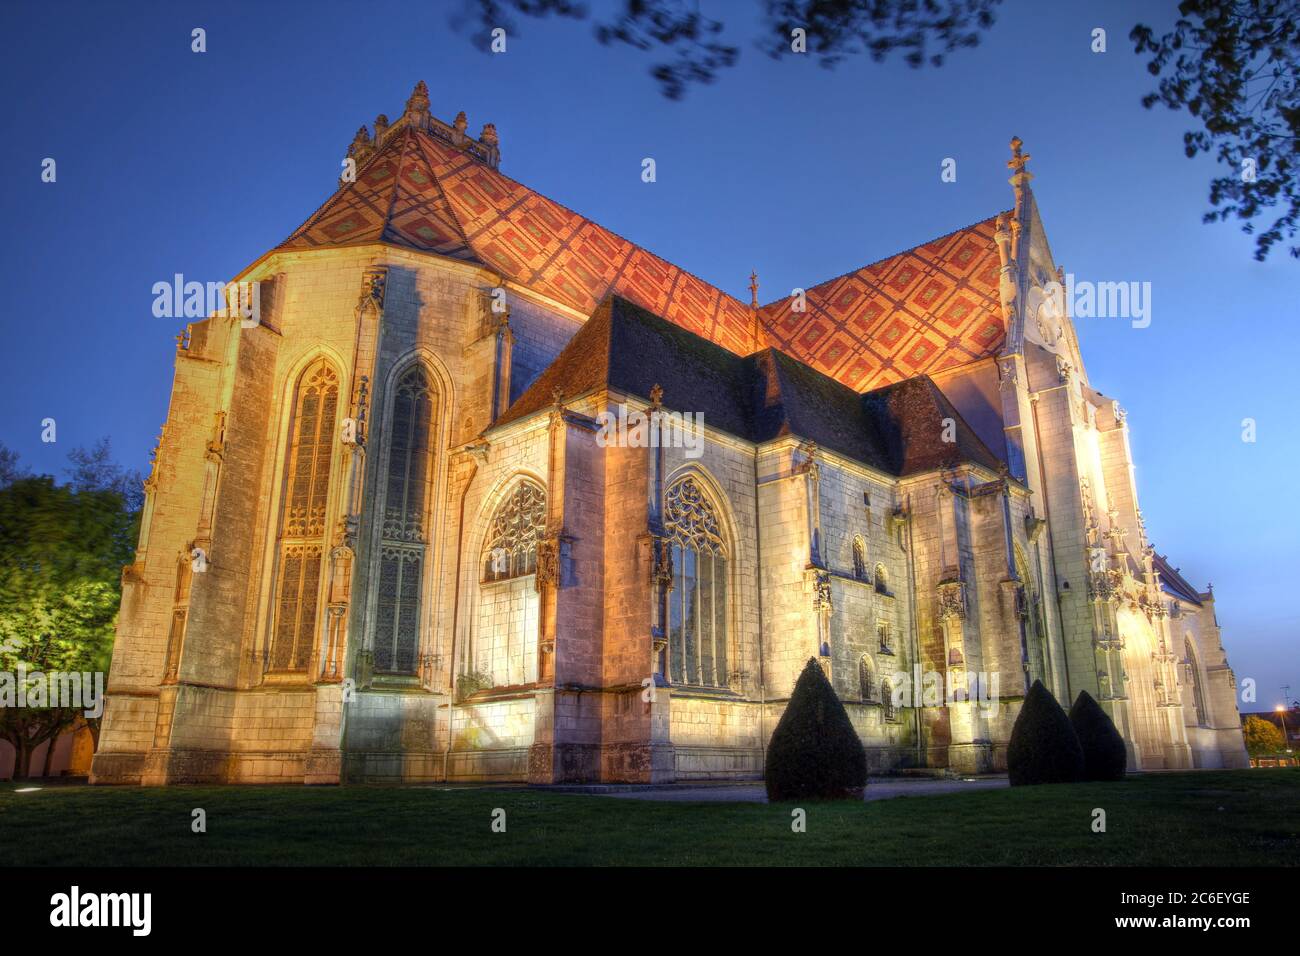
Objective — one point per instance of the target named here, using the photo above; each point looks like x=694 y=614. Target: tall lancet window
x=860 y=559
x=697 y=614
x=1198 y=692
x=407 y=477
x=302 y=518
x=509 y=613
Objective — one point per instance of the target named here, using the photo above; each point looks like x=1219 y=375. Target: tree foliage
x=1043 y=747
x=1234 y=66
x=1263 y=737
x=11 y=469
x=815 y=753
x=925 y=31
x=1104 y=755
x=62 y=548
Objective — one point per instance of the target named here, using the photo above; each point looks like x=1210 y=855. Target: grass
x=1223 y=818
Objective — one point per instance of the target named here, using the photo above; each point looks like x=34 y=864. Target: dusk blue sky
x=171 y=161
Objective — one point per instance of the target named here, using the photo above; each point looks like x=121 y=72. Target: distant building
x=1289 y=724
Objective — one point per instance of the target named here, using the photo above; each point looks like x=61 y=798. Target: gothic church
x=385 y=538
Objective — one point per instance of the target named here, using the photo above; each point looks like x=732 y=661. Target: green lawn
x=1244 y=817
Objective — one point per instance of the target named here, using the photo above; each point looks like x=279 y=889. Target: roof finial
x=1018 y=159
x=753 y=288
x=417 y=105
x=361 y=145
x=1019 y=180
x=491 y=143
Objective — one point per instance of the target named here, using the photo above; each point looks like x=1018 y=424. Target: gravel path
x=883 y=788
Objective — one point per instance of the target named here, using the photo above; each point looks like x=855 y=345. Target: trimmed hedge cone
x=1104 y=754
x=815 y=753
x=1043 y=746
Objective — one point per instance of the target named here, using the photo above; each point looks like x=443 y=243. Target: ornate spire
x=491 y=144
x=458 y=137
x=753 y=289
x=361 y=147
x=417 y=106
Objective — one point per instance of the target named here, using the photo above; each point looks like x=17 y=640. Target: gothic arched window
x=407 y=477
x=517 y=526
x=859 y=558
x=302 y=517
x=508 y=619
x=866 y=680
x=882 y=580
x=697 y=615
x=887 y=698
x=1198 y=692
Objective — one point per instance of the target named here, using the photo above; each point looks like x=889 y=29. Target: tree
x=10 y=468
x=1043 y=747
x=1234 y=66
x=62 y=548
x=1104 y=755
x=94 y=469
x=815 y=753
x=925 y=30
x=1263 y=737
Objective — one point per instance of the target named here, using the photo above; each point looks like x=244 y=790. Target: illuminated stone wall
x=550 y=676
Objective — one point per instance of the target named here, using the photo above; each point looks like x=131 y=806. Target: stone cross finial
x=753 y=288
x=656 y=395
x=1018 y=159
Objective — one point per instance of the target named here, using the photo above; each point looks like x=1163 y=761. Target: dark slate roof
x=910 y=416
x=630 y=349
x=759 y=397
x=1173 y=582
x=787 y=397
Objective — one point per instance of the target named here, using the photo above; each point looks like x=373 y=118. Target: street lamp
x=1281 y=713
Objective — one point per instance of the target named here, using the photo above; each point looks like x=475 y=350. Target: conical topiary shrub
x=1104 y=754
x=815 y=753
x=1043 y=747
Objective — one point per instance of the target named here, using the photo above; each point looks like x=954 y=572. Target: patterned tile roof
x=420 y=192
x=924 y=310
x=921 y=311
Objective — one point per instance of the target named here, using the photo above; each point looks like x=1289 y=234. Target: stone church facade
x=388 y=534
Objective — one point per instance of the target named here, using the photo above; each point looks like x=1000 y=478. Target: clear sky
x=171 y=161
